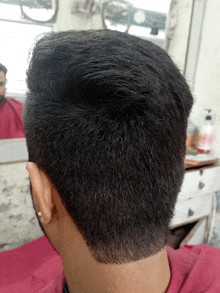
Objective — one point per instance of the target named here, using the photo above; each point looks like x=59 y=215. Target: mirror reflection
x=22 y=21
x=16 y=38
x=10 y=111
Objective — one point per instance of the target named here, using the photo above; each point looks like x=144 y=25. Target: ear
x=41 y=192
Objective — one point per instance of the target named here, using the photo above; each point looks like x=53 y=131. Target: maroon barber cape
x=11 y=124
x=36 y=267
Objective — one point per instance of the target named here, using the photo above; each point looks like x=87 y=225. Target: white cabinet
x=195 y=198
x=200 y=182
x=191 y=209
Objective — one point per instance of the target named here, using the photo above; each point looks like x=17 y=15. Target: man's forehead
x=2 y=76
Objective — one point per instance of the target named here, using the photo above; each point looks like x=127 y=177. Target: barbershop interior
x=188 y=30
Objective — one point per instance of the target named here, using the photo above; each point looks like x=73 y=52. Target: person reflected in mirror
x=11 y=123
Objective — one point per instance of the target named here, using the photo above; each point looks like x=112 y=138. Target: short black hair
x=3 y=68
x=106 y=118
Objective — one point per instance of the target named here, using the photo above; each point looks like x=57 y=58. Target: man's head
x=105 y=119
x=3 y=72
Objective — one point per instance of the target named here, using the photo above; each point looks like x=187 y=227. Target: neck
x=85 y=275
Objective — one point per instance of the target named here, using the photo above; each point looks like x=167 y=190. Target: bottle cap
x=208 y=117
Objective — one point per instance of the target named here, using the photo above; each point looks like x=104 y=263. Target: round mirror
x=41 y=11
x=117 y=15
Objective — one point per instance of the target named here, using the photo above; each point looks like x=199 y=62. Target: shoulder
x=192 y=256
x=14 y=102
x=195 y=268
x=196 y=252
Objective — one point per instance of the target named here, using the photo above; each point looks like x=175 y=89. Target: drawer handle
x=201 y=185
x=190 y=213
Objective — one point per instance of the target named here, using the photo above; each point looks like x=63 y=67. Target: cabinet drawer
x=199 y=183
x=191 y=209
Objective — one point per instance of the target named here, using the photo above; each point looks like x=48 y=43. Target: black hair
x=3 y=68
x=106 y=118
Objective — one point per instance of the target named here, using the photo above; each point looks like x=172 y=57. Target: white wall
x=207 y=79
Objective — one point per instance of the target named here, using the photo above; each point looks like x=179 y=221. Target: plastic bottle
x=206 y=135
x=191 y=129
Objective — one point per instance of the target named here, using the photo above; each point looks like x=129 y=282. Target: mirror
x=16 y=37
x=41 y=11
x=144 y=18
x=117 y=15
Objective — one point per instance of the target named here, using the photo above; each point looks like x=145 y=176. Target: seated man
x=11 y=125
x=105 y=122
